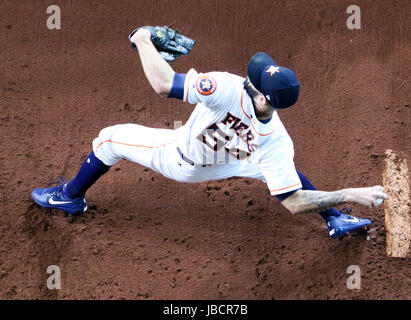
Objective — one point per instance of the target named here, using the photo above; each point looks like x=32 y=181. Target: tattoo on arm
x=321 y=200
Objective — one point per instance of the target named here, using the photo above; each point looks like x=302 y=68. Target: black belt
x=188 y=160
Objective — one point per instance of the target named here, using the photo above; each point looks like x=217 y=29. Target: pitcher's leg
x=133 y=142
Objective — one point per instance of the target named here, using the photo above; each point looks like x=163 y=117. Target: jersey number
x=215 y=139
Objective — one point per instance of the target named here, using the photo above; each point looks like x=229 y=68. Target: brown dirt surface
x=146 y=237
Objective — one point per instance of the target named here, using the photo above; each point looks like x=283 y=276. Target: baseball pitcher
x=233 y=131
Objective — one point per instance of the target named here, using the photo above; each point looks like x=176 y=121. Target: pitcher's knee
x=104 y=145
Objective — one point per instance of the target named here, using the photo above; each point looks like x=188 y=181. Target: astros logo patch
x=206 y=85
x=273 y=70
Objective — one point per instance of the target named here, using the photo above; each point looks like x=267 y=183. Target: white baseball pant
x=157 y=149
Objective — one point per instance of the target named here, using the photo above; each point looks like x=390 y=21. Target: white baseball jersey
x=222 y=137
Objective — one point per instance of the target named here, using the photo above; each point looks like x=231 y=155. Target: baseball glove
x=170 y=43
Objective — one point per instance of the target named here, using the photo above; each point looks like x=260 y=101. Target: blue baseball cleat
x=343 y=225
x=54 y=198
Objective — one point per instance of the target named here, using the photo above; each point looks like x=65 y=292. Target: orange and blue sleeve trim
x=285 y=195
x=285 y=190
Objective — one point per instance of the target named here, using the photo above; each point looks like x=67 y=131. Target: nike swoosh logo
x=351 y=220
x=51 y=201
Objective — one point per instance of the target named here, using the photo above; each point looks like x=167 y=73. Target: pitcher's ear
x=261 y=99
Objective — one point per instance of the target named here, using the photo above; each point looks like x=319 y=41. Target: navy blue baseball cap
x=279 y=85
